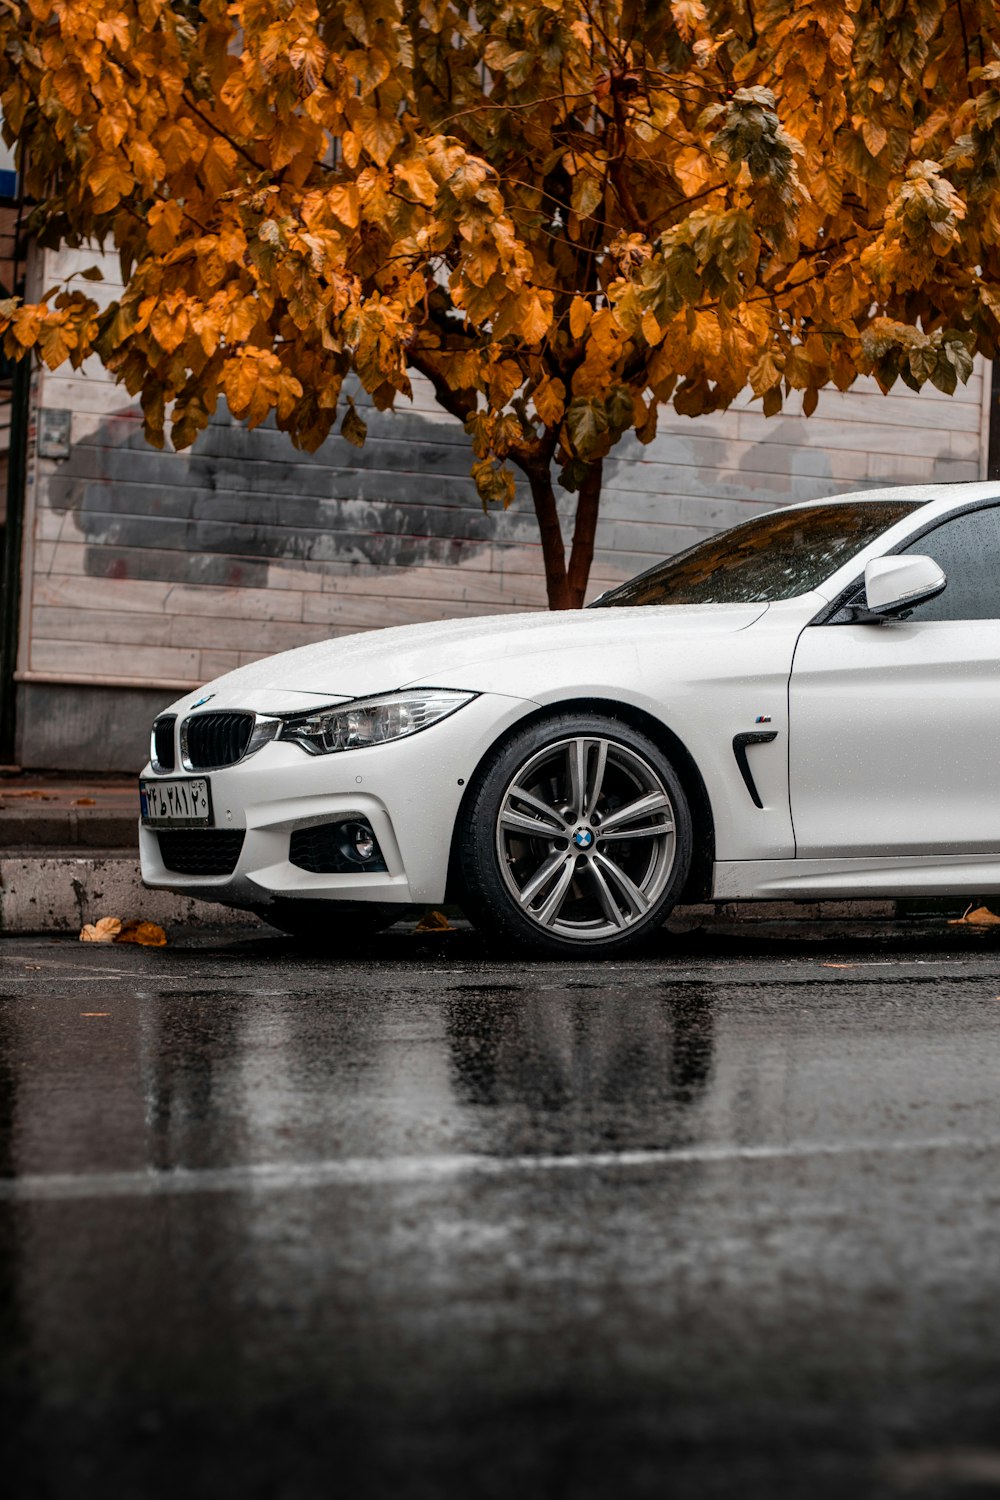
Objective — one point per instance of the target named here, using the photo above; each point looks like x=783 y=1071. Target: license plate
x=176 y=804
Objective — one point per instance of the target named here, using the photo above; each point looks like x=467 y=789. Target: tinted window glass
x=967 y=547
x=771 y=557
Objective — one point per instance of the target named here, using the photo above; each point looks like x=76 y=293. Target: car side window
x=967 y=547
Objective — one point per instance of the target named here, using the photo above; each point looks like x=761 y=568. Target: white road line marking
x=92 y=976
x=390 y=1170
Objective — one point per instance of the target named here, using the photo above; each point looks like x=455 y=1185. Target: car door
x=894 y=729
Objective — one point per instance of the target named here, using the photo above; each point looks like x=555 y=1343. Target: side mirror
x=894 y=584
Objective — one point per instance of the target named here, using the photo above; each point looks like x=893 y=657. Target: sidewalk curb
x=84 y=828
x=52 y=891
x=64 y=812
x=47 y=890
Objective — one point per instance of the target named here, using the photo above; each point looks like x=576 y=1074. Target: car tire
x=330 y=923
x=552 y=861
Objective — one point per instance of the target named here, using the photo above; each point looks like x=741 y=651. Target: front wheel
x=576 y=840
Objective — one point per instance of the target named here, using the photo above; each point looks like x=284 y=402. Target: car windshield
x=771 y=557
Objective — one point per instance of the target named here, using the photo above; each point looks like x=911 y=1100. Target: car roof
x=949 y=495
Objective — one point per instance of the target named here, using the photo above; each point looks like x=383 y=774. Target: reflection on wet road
x=275 y=1226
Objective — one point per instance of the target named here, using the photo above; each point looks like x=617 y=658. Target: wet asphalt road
x=721 y=1223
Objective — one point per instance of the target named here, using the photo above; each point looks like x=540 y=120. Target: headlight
x=371 y=721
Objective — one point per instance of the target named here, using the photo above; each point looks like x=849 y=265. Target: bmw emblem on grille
x=203 y=700
x=583 y=838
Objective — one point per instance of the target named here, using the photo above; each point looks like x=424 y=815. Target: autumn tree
x=562 y=213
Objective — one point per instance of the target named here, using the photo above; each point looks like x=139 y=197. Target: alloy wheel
x=586 y=837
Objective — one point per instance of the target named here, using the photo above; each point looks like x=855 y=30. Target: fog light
x=364 y=842
x=337 y=848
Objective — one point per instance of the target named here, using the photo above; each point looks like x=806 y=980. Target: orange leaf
x=417 y=181
x=580 y=314
x=232 y=242
x=146 y=934
x=169 y=323
x=533 y=317
x=145 y=160
x=289 y=391
x=27 y=323
x=344 y=204
x=550 y=400
x=692 y=169
x=109 y=181
x=379 y=133
x=239 y=381
x=114 y=30
x=434 y=921
x=651 y=330
x=219 y=165
x=103 y=931
x=980 y=916
x=55 y=340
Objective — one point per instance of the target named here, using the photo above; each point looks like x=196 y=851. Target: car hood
x=380 y=661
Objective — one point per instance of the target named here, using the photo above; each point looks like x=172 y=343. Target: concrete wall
x=147 y=573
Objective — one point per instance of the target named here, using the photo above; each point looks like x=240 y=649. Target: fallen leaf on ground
x=31 y=792
x=84 y=802
x=103 y=931
x=146 y=934
x=89 y=1014
x=434 y=921
x=838 y=966
x=980 y=917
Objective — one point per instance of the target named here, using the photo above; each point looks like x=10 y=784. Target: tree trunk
x=566 y=587
x=582 y=554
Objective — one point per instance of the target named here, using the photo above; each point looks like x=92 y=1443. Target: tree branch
x=193 y=105
x=460 y=404
x=616 y=165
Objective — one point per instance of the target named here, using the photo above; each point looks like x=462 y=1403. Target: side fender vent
x=740 y=744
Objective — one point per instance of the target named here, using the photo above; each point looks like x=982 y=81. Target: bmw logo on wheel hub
x=583 y=838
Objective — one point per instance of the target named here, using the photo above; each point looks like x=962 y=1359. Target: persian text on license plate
x=176 y=804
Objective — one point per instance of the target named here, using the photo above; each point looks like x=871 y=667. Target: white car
x=805 y=706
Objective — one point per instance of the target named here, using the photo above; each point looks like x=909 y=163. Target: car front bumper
x=409 y=790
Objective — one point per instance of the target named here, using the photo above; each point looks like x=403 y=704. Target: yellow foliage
x=56 y=340
x=541 y=219
x=109 y=179
x=533 y=312
x=169 y=321
x=416 y=179
x=550 y=401
x=26 y=324
x=580 y=313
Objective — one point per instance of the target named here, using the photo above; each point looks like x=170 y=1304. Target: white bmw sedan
x=805 y=706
